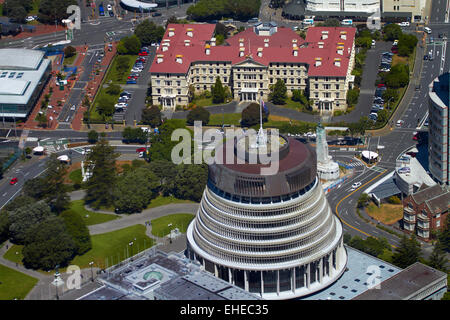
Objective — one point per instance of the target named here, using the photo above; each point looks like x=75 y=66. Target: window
x=225 y=79
x=179 y=91
x=158 y=90
x=337 y=87
x=316 y=86
x=178 y=83
x=158 y=82
x=438 y=223
x=337 y=95
x=210 y=70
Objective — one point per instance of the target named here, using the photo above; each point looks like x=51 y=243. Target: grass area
x=386 y=213
x=160 y=226
x=75 y=176
x=14 y=284
x=14 y=254
x=111 y=248
x=90 y=217
x=69 y=61
x=162 y=201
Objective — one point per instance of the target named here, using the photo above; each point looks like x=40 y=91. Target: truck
x=101 y=10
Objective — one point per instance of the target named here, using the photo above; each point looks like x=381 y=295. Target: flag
x=266 y=110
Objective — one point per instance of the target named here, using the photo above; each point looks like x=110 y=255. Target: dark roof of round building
x=297 y=169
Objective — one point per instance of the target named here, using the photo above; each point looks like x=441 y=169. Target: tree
x=101 y=161
x=438 y=258
x=105 y=106
x=166 y=172
x=113 y=89
x=1 y=168
x=332 y=23
x=134 y=190
x=198 y=114
x=35 y=188
x=251 y=115
x=444 y=236
x=148 y=32
x=172 y=19
x=390 y=95
x=161 y=144
x=383 y=116
x=69 y=51
x=51 y=11
x=151 y=116
x=364 y=42
x=4 y=226
x=41 y=118
x=26 y=217
x=129 y=45
x=278 y=94
x=48 y=244
x=55 y=191
x=218 y=92
x=130 y=135
x=392 y=32
x=78 y=230
x=352 y=96
x=190 y=181
x=92 y=136
x=407 y=253
x=363 y=200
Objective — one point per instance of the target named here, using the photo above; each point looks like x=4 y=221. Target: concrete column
x=246 y=280
x=262 y=283
x=216 y=271
x=293 y=279
x=320 y=270
x=230 y=276
x=308 y=268
x=330 y=263
x=278 y=282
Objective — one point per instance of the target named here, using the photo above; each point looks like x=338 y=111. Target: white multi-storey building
x=252 y=61
x=439 y=129
x=343 y=5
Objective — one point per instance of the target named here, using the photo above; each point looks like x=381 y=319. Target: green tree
x=383 y=117
x=198 y=114
x=352 y=96
x=113 y=89
x=151 y=116
x=105 y=106
x=134 y=190
x=48 y=244
x=131 y=135
x=251 y=115
x=101 y=162
x=190 y=181
x=35 y=188
x=78 y=230
x=438 y=258
x=444 y=236
x=407 y=253
x=218 y=92
x=390 y=94
x=41 y=118
x=364 y=42
x=24 y=218
x=363 y=200
x=69 y=51
x=161 y=144
x=278 y=94
x=129 y=45
x=166 y=172
x=148 y=32
x=56 y=190
x=51 y=11
x=392 y=32
x=92 y=136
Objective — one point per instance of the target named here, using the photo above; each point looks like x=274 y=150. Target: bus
x=101 y=10
x=347 y=22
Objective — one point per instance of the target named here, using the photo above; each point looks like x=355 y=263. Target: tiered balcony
x=409 y=217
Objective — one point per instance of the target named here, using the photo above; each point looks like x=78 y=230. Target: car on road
x=111 y=13
x=13 y=181
x=373 y=43
x=356 y=185
x=399 y=123
x=125 y=93
x=156 y=14
x=29 y=19
x=109 y=7
x=426 y=123
x=141 y=154
x=73 y=107
x=404 y=24
x=141 y=149
x=427 y=30
x=426 y=57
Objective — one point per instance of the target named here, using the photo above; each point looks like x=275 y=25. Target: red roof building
x=253 y=60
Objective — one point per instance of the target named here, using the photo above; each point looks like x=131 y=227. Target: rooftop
x=417 y=175
x=428 y=193
x=439 y=90
x=20 y=59
x=405 y=284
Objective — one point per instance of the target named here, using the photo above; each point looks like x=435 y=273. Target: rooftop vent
x=171 y=32
x=207 y=49
x=260 y=51
x=241 y=52
x=179 y=58
x=159 y=58
x=318 y=62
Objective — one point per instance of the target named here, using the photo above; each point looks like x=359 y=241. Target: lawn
x=90 y=217
x=14 y=254
x=387 y=213
x=226 y=118
x=14 y=284
x=160 y=226
x=110 y=248
x=69 y=61
x=162 y=201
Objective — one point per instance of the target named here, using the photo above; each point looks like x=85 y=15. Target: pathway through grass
x=162 y=226
x=14 y=284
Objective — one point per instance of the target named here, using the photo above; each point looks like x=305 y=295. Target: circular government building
x=273 y=235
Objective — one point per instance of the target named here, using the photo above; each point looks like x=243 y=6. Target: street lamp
x=130 y=244
x=92 y=272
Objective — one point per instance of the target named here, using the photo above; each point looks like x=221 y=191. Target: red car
x=381 y=85
x=13 y=181
x=132 y=77
x=394 y=50
x=143 y=53
x=141 y=149
x=415 y=138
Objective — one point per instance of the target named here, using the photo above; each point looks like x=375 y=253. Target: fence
x=12 y=158
x=335 y=184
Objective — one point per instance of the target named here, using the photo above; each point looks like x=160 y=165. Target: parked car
x=412 y=154
x=404 y=24
x=13 y=181
x=373 y=116
x=395 y=43
x=426 y=57
x=143 y=53
x=373 y=43
x=125 y=93
x=121 y=105
x=394 y=50
x=399 y=123
x=381 y=85
x=141 y=149
x=156 y=14
x=426 y=123
x=404 y=170
x=427 y=30
x=131 y=81
x=109 y=7
x=111 y=13
x=356 y=185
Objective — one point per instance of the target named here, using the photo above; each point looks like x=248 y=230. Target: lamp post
x=92 y=272
x=130 y=244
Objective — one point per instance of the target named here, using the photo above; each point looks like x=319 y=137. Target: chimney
x=189 y=32
x=241 y=52
x=260 y=51
x=295 y=52
x=337 y=62
x=171 y=32
x=207 y=49
x=344 y=35
x=179 y=58
x=324 y=35
x=318 y=62
x=213 y=42
x=266 y=42
x=159 y=58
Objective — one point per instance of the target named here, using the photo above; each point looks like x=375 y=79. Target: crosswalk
x=352 y=164
x=55 y=148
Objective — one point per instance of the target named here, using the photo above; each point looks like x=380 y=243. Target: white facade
x=343 y=5
x=327 y=169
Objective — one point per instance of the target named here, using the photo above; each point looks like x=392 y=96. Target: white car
x=395 y=43
x=29 y=19
x=427 y=30
x=141 y=154
x=356 y=185
x=121 y=105
x=109 y=7
x=404 y=24
x=373 y=43
x=399 y=123
x=73 y=107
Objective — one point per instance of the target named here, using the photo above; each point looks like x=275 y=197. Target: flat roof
x=405 y=284
x=20 y=59
x=386 y=189
x=13 y=87
x=417 y=174
x=357 y=277
x=138 y=4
